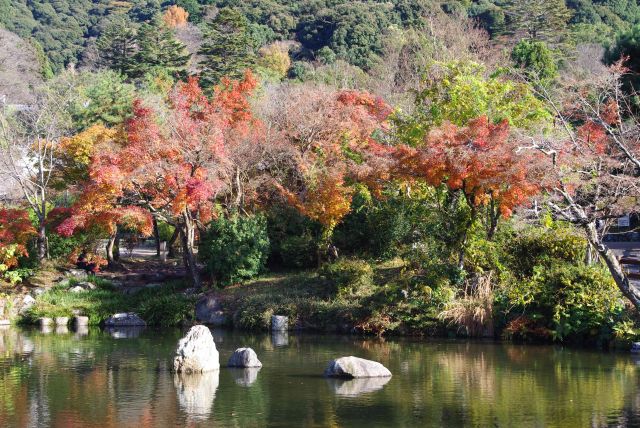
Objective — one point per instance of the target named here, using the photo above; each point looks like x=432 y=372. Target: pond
x=120 y=379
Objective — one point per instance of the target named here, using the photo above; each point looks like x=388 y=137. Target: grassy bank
x=165 y=306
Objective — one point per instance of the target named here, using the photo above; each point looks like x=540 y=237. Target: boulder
x=80 y=320
x=196 y=352
x=87 y=285
x=77 y=274
x=77 y=289
x=279 y=323
x=62 y=320
x=354 y=367
x=125 y=319
x=244 y=357
x=45 y=321
x=209 y=311
x=27 y=302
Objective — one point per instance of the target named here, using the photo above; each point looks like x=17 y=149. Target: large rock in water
x=244 y=357
x=125 y=319
x=196 y=352
x=354 y=367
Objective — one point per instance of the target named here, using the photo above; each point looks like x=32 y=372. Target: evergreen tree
x=538 y=19
x=535 y=59
x=158 y=50
x=117 y=47
x=227 y=50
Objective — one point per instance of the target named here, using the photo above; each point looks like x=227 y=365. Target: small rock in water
x=62 y=321
x=354 y=367
x=635 y=348
x=196 y=352
x=244 y=357
x=279 y=323
x=125 y=319
x=5 y=322
x=45 y=321
x=80 y=321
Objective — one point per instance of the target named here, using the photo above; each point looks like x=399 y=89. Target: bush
x=298 y=251
x=292 y=238
x=235 y=248
x=351 y=277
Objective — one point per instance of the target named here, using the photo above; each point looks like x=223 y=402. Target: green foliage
x=165 y=306
x=293 y=238
x=235 y=248
x=117 y=47
x=460 y=91
x=351 y=277
x=158 y=50
x=538 y=19
x=104 y=98
x=536 y=59
x=165 y=231
x=228 y=48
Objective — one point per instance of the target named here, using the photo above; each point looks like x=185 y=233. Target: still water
x=120 y=379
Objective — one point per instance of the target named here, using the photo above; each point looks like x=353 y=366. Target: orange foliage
x=15 y=231
x=175 y=16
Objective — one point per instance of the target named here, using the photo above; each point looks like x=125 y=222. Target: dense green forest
x=352 y=31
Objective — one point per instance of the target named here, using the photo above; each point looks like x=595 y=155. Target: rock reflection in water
x=124 y=332
x=280 y=338
x=62 y=329
x=356 y=387
x=45 y=329
x=81 y=330
x=245 y=377
x=196 y=392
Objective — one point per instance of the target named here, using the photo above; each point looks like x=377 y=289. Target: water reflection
x=279 y=338
x=196 y=392
x=356 y=387
x=92 y=379
x=129 y=332
x=245 y=377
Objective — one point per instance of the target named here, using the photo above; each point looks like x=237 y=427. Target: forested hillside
x=354 y=31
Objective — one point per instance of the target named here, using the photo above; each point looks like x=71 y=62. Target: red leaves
x=478 y=159
x=15 y=229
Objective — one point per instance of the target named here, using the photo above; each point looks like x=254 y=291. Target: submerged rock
x=196 y=352
x=125 y=319
x=244 y=357
x=125 y=332
x=354 y=367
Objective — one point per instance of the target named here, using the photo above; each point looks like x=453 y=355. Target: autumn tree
x=594 y=161
x=175 y=16
x=16 y=231
x=28 y=144
x=329 y=133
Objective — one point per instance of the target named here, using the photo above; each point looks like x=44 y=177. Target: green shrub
x=235 y=248
x=292 y=238
x=167 y=309
x=351 y=277
x=298 y=251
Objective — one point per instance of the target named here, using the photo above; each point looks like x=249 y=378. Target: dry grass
x=473 y=312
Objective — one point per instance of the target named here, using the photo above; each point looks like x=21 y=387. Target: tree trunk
x=156 y=235
x=116 y=248
x=631 y=291
x=42 y=240
x=111 y=243
x=171 y=249
x=188 y=235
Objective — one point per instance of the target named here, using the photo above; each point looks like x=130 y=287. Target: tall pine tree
x=117 y=47
x=158 y=50
x=544 y=20
x=228 y=50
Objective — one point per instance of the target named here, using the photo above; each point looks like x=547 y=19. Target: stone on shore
x=196 y=352
x=45 y=321
x=209 y=311
x=354 y=367
x=62 y=321
x=80 y=320
x=125 y=319
x=77 y=289
x=245 y=358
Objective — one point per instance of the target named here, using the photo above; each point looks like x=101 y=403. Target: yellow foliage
x=175 y=16
x=275 y=58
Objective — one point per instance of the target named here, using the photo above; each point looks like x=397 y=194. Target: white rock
x=62 y=320
x=125 y=319
x=279 y=323
x=45 y=321
x=87 y=285
x=77 y=289
x=244 y=357
x=80 y=320
x=196 y=352
x=27 y=302
x=354 y=367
